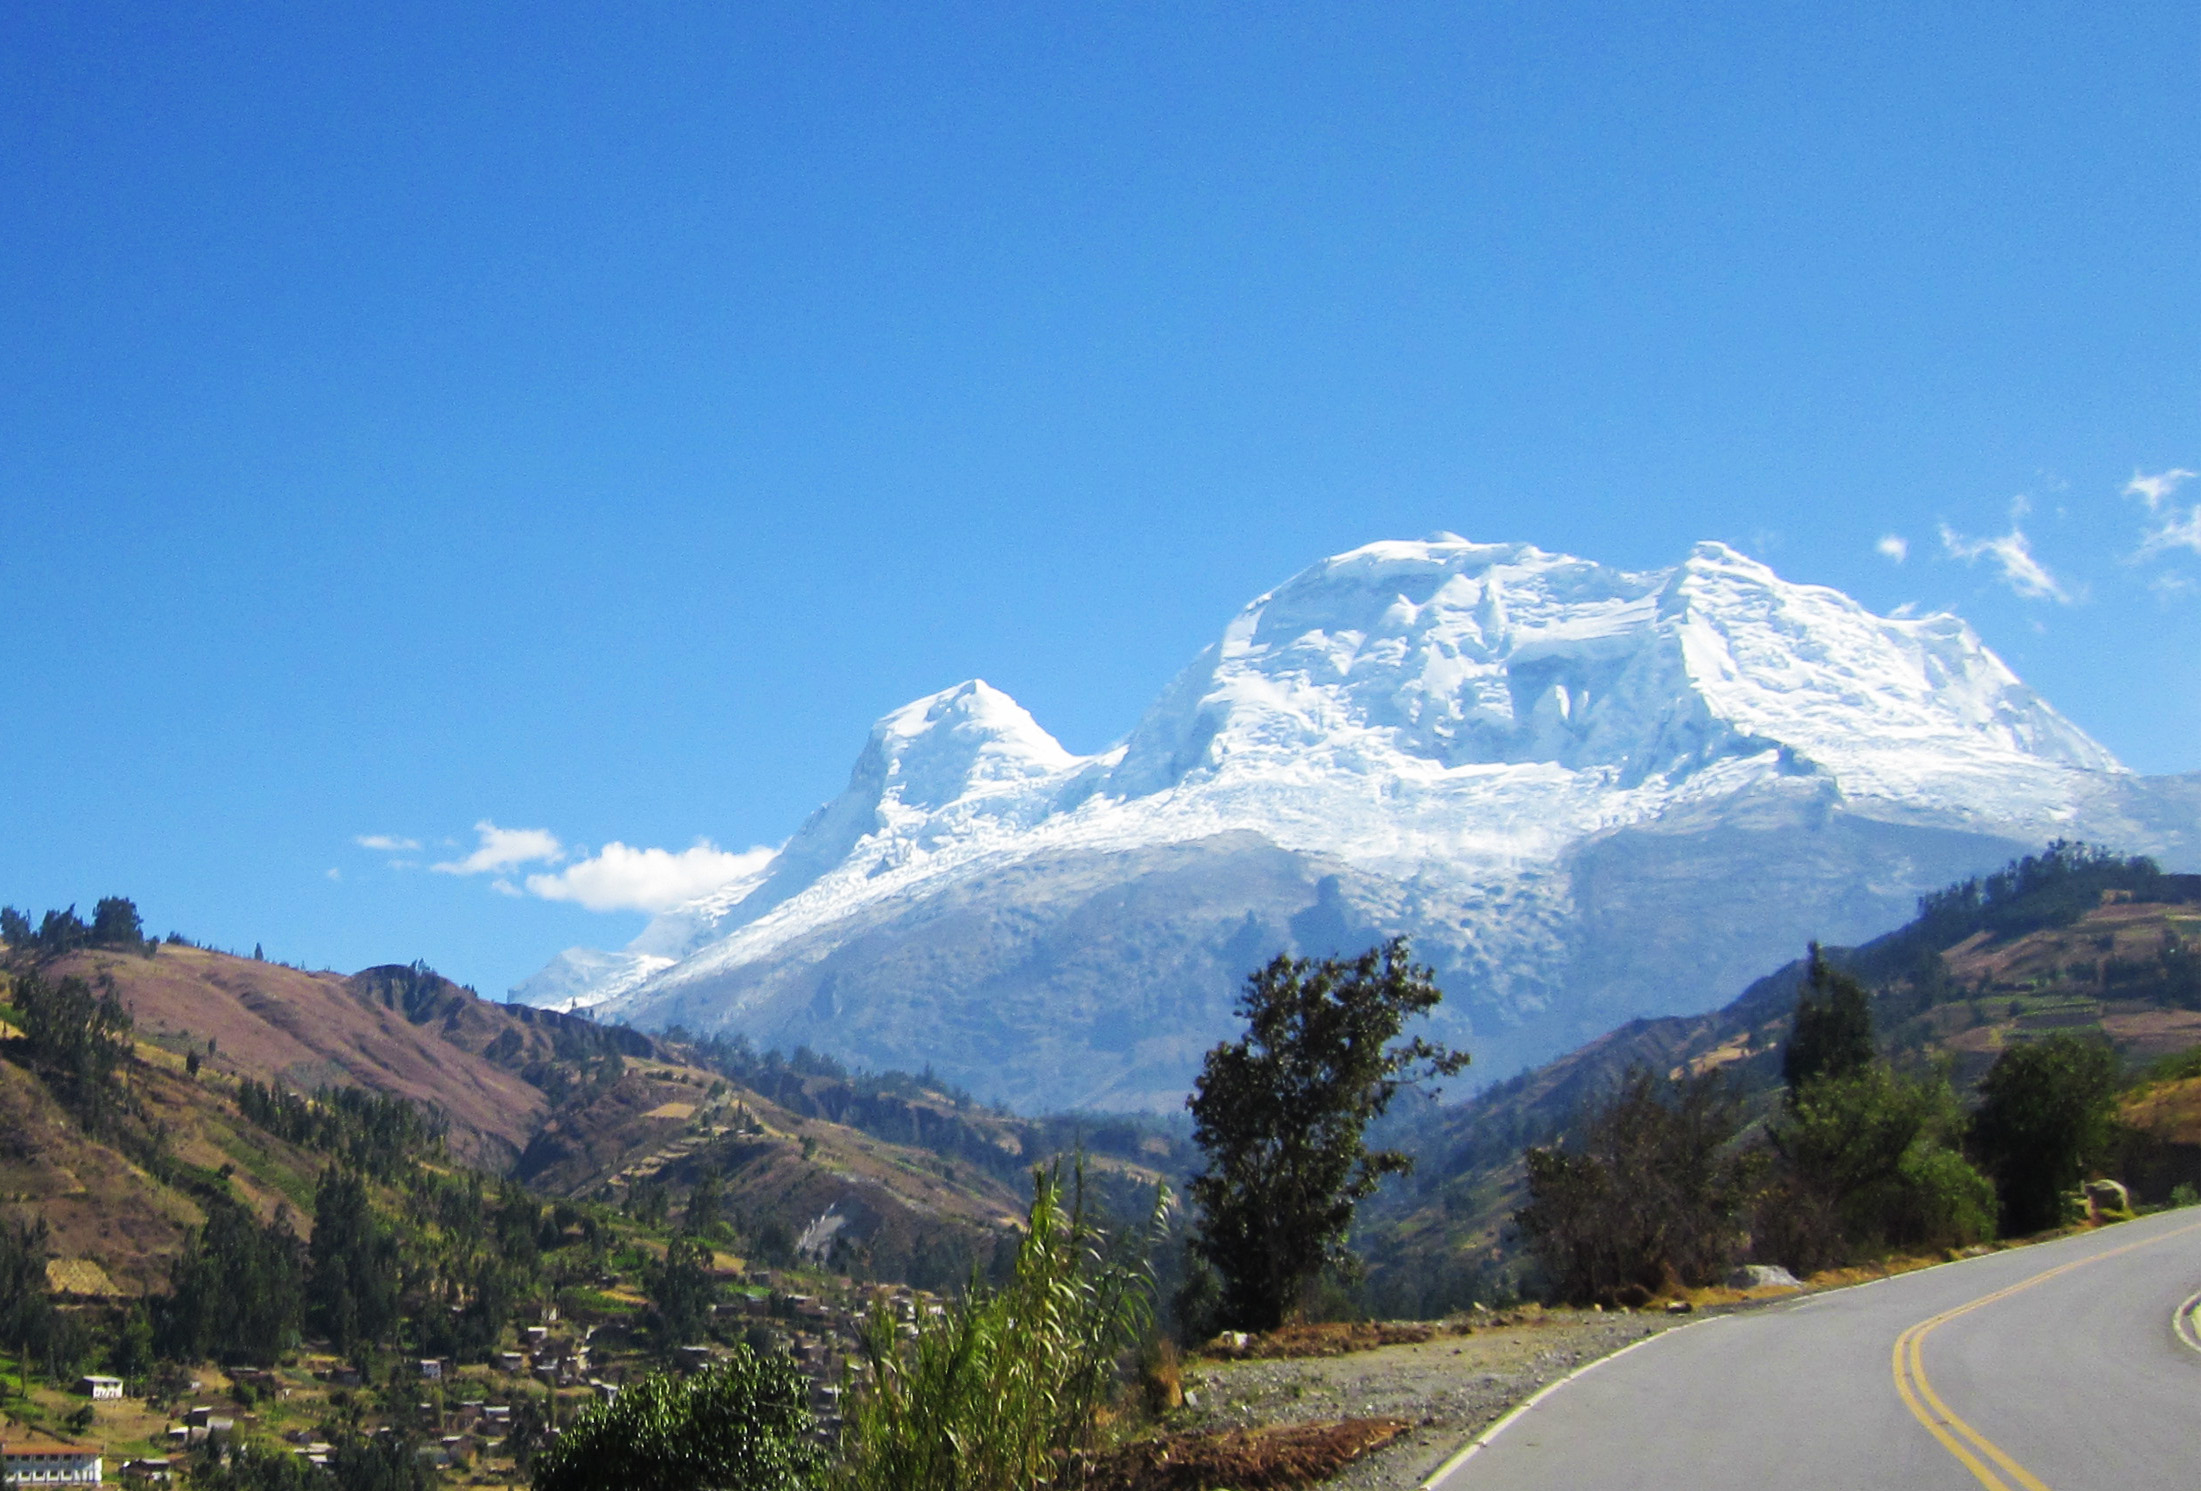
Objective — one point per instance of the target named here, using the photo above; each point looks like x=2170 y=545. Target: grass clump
x=1005 y=1390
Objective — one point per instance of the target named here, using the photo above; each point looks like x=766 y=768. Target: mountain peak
x=971 y=737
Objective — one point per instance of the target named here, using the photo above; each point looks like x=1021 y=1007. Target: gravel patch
x=1449 y=1387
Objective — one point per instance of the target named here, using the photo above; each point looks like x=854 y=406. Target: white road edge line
x=1468 y=1451
x=2183 y=1324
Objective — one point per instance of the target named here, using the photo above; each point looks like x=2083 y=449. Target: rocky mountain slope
x=1589 y=794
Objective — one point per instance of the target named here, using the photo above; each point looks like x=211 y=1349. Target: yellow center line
x=1956 y=1436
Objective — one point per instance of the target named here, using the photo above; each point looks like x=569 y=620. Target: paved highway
x=2049 y=1368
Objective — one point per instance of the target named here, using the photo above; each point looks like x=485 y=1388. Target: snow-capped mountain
x=1587 y=793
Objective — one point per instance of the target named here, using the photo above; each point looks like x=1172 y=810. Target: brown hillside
x=310 y=1030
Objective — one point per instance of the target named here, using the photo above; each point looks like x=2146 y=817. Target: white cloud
x=334 y=873
x=2012 y=554
x=2173 y=526
x=389 y=843
x=2157 y=489
x=504 y=849
x=1893 y=546
x=629 y=879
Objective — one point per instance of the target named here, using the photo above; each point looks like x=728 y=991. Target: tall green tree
x=234 y=1292
x=1281 y=1114
x=741 y=1425
x=1831 y=1033
x=26 y=1311
x=352 y=1273
x=2046 y=1110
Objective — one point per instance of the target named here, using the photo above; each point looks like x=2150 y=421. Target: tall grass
x=1001 y=1391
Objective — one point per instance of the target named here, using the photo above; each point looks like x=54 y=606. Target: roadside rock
x=1763 y=1276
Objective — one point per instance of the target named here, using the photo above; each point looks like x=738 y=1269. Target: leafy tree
x=1281 y=1114
x=234 y=1292
x=2046 y=1110
x=115 y=923
x=352 y=1272
x=1831 y=1035
x=680 y=1289
x=1649 y=1199
x=1001 y=1391
x=741 y=1425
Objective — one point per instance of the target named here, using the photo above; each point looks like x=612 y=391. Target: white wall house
x=34 y=1460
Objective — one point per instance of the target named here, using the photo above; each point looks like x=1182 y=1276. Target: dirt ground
x=1448 y=1387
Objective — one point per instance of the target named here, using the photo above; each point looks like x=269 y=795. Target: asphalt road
x=2055 y=1366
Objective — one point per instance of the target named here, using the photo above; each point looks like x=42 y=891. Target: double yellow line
x=1972 y=1449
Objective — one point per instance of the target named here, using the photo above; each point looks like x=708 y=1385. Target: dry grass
x=1279 y=1456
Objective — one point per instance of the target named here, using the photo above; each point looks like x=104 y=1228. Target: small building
x=39 y=1460
x=431 y=1370
x=99 y=1389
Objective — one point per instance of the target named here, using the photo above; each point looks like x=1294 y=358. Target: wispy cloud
x=388 y=843
x=2011 y=555
x=623 y=878
x=1893 y=546
x=502 y=849
x=2171 y=525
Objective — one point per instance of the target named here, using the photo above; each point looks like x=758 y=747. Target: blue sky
x=588 y=419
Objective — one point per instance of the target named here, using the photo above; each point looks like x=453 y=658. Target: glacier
x=1588 y=794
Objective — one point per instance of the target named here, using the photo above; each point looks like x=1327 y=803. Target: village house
x=40 y=1460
